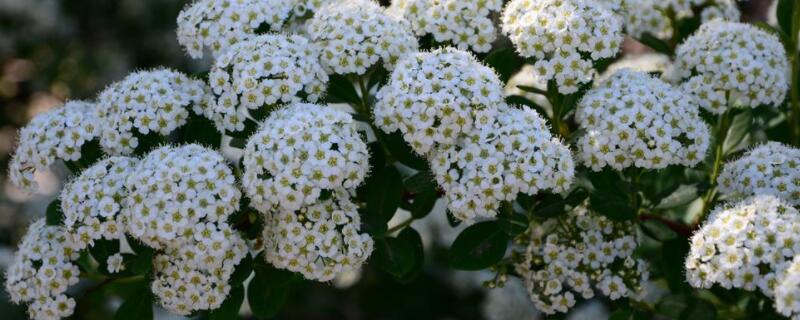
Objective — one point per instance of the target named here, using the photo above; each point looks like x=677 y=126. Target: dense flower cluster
x=42 y=271
x=633 y=119
x=516 y=154
x=464 y=23
x=356 y=34
x=91 y=202
x=584 y=253
x=727 y=64
x=772 y=168
x=564 y=36
x=267 y=70
x=320 y=240
x=650 y=16
x=787 y=291
x=155 y=101
x=744 y=245
x=435 y=97
x=300 y=152
x=56 y=134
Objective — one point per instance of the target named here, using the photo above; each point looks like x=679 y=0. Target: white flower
x=633 y=119
x=155 y=101
x=91 y=202
x=301 y=151
x=564 y=36
x=56 y=134
x=435 y=97
x=744 y=245
x=787 y=291
x=464 y=23
x=41 y=272
x=114 y=263
x=516 y=154
x=728 y=64
x=650 y=16
x=566 y=259
x=261 y=73
x=356 y=34
x=772 y=168
x=310 y=241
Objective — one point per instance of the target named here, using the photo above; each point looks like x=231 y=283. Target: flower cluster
x=650 y=16
x=356 y=34
x=56 y=134
x=727 y=64
x=515 y=154
x=41 y=272
x=300 y=152
x=90 y=203
x=464 y=23
x=155 y=101
x=772 y=168
x=435 y=97
x=633 y=119
x=744 y=245
x=579 y=255
x=267 y=70
x=564 y=36
x=787 y=291
x=320 y=240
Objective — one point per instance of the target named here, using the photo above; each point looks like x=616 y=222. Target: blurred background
x=57 y=50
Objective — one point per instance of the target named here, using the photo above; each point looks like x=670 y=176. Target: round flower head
x=320 y=240
x=91 y=202
x=41 y=272
x=564 y=36
x=157 y=100
x=56 y=134
x=633 y=119
x=515 y=155
x=727 y=64
x=299 y=152
x=435 y=97
x=464 y=23
x=195 y=276
x=772 y=168
x=579 y=255
x=744 y=245
x=356 y=34
x=173 y=190
x=787 y=291
x=650 y=16
x=264 y=71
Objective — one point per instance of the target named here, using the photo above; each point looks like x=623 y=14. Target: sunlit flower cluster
x=728 y=64
x=772 y=168
x=55 y=134
x=300 y=152
x=41 y=272
x=91 y=202
x=787 y=291
x=650 y=16
x=435 y=97
x=320 y=240
x=466 y=24
x=578 y=256
x=745 y=245
x=260 y=73
x=564 y=36
x=633 y=119
x=354 y=35
x=155 y=101
x=516 y=154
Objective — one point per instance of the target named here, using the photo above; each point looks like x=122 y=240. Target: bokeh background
x=57 y=50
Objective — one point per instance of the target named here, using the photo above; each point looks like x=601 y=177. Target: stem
x=400 y=226
x=723 y=124
x=364 y=108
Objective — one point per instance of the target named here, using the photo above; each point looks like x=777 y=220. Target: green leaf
x=614 y=208
x=237 y=143
x=683 y=195
x=700 y=310
x=784 y=14
x=673 y=254
x=657 y=230
x=621 y=314
x=394 y=256
x=740 y=126
x=419 y=182
x=479 y=246
x=522 y=101
x=412 y=237
x=101 y=250
x=513 y=224
x=423 y=202
x=451 y=219
x=138 y=305
x=54 y=216
x=384 y=192
x=553 y=205
x=243 y=271
x=230 y=308
x=268 y=289
x=401 y=151
x=656 y=44
x=201 y=130
x=505 y=61
x=341 y=90
x=142 y=262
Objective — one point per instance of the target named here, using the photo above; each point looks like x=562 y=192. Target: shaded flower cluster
x=769 y=169
x=651 y=16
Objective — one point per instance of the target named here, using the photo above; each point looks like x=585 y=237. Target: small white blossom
x=55 y=134
x=301 y=151
x=650 y=16
x=633 y=119
x=114 y=263
x=564 y=36
x=356 y=34
x=787 y=291
x=729 y=64
x=155 y=101
x=772 y=168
